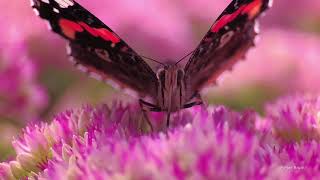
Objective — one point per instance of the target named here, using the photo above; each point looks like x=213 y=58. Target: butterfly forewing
x=227 y=41
x=96 y=48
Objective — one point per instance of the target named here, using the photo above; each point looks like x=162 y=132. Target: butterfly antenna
x=152 y=60
x=185 y=57
x=147 y=58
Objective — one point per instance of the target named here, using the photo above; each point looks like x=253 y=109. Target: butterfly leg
x=168 y=119
x=197 y=101
x=146 y=107
x=189 y=105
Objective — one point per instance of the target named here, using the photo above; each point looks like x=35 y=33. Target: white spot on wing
x=48 y=25
x=270 y=3
x=45 y=1
x=32 y=3
x=56 y=10
x=95 y=76
x=112 y=83
x=65 y=3
x=130 y=92
x=36 y=11
x=236 y=5
x=256 y=39
x=256 y=27
x=82 y=68
x=68 y=48
x=71 y=59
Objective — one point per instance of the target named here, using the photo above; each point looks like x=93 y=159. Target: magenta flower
x=291 y=137
x=35 y=147
x=112 y=143
x=202 y=149
x=295 y=118
x=202 y=143
x=297 y=160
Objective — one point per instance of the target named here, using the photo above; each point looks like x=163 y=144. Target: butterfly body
x=100 y=52
x=171 y=90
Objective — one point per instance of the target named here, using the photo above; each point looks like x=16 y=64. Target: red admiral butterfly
x=97 y=50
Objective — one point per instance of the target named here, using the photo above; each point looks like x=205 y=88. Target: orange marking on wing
x=90 y=30
x=224 y=20
x=101 y=32
x=252 y=9
x=69 y=28
x=107 y=35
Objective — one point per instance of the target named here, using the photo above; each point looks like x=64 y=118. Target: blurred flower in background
x=22 y=97
x=295 y=14
x=283 y=62
x=295 y=118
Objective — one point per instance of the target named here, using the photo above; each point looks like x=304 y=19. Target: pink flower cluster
x=208 y=143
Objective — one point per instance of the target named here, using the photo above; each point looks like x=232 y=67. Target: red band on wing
x=101 y=32
x=107 y=35
x=251 y=9
x=69 y=28
x=224 y=20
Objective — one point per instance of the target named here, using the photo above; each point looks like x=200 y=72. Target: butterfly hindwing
x=95 y=47
x=227 y=41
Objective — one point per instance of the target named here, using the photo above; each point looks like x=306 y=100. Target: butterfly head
x=170 y=75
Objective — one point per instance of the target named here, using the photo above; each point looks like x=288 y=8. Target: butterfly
x=100 y=52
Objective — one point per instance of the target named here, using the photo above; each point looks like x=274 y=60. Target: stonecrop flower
x=35 y=146
x=202 y=143
x=292 y=124
x=115 y=143
x=202 y=149
x=295 y=118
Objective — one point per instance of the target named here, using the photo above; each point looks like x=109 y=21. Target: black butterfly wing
x=227 y=41
x=96 y=49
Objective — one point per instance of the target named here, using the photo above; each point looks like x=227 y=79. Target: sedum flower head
x=38 y=143
x=199 y=150
x=201 y=143
x=295 y=118
x=115 y=143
